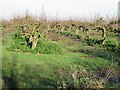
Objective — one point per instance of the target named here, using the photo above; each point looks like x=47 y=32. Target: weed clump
x=78 y=77
x=111 y=45
x=43 y=46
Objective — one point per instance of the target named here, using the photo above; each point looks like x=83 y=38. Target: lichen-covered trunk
x=62 y=30
x=103 y=35
x=87 y=34
x=76 y=31
x=34 y=42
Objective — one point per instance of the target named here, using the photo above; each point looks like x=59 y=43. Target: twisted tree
x=31 y=29
x=100 y=25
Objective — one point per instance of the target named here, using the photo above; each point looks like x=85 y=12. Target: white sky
x=59 y=8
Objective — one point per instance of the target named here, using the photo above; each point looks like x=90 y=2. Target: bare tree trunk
x=62 y=30
x=34 y=42
x=87 y=34
x=76 y=31
x=103 y=35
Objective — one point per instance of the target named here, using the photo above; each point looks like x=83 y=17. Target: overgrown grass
x=64 y=60
x=20 y=44
x=31 y=70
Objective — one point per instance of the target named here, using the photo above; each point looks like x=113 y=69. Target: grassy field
x=79 y=65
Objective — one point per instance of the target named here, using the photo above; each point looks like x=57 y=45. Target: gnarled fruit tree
x=32 y=30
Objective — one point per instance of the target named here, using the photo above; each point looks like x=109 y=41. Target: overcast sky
x=59 y=8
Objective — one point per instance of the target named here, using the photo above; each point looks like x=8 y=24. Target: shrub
x=65 y=33
x=48 y=47
x=93 y=41
x=111 y=45
x=20 y=44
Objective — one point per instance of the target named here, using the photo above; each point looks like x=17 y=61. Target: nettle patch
x=43 y=46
